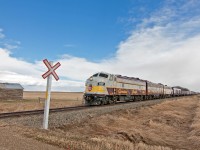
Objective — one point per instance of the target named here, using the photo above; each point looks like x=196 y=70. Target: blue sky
x=90 y=28
x=140 y=38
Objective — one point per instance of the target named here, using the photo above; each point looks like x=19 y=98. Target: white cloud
x=77 y=68
x=29 y=74
x=166 y=52
x=160 y=58
x=10 y=47
x=8 y=43
x=1 y=34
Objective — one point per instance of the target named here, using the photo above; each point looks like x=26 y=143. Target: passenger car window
x=122 y=84
x=111 y=77
x=103 y=75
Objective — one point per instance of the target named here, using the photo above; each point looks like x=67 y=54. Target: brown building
x=11 y=91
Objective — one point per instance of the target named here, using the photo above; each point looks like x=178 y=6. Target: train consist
x=104 y=88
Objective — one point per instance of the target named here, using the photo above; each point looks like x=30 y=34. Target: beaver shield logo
x=90 y=87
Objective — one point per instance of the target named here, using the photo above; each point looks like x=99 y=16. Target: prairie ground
x=35 y=100
x=169 y=125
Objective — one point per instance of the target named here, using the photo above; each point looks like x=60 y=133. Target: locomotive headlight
x=91 y=78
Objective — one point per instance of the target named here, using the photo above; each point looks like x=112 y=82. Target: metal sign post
x=49 y=73
x=47 y=101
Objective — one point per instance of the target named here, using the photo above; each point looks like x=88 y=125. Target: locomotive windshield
x=103 y=75
x=95 y=75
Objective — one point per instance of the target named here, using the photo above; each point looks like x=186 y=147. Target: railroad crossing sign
x=51 y=69
x=49 y=73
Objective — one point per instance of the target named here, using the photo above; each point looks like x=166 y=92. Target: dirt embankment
x=169 y=125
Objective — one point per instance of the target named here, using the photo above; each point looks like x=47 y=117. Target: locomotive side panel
x=130 y=87
x=155 y=90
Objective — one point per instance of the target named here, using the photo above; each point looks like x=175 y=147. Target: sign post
x=47 y=101
x=49 y=73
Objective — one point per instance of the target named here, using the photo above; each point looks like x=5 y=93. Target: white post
x=47 y=101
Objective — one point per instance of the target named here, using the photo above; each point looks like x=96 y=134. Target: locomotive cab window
x=95 y=75
x=103 y=75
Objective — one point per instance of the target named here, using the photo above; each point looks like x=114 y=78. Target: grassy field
x=35 y=100
x=169 y=125
x=29 y=95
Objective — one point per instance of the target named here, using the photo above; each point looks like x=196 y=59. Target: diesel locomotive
x=104 y=88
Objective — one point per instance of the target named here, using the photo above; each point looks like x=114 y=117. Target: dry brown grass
x=31 y=95
x=31 y=101
x=77 y=142
x=195 y=127
x=169 y=125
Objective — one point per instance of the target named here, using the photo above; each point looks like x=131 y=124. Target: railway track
x=37 y=112
x=53 y=110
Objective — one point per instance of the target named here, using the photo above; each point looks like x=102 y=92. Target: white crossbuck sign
x=51 y=69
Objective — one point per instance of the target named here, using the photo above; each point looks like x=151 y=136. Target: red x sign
x=51 y=69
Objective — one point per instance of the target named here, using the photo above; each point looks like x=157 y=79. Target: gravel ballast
x=71 y=117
